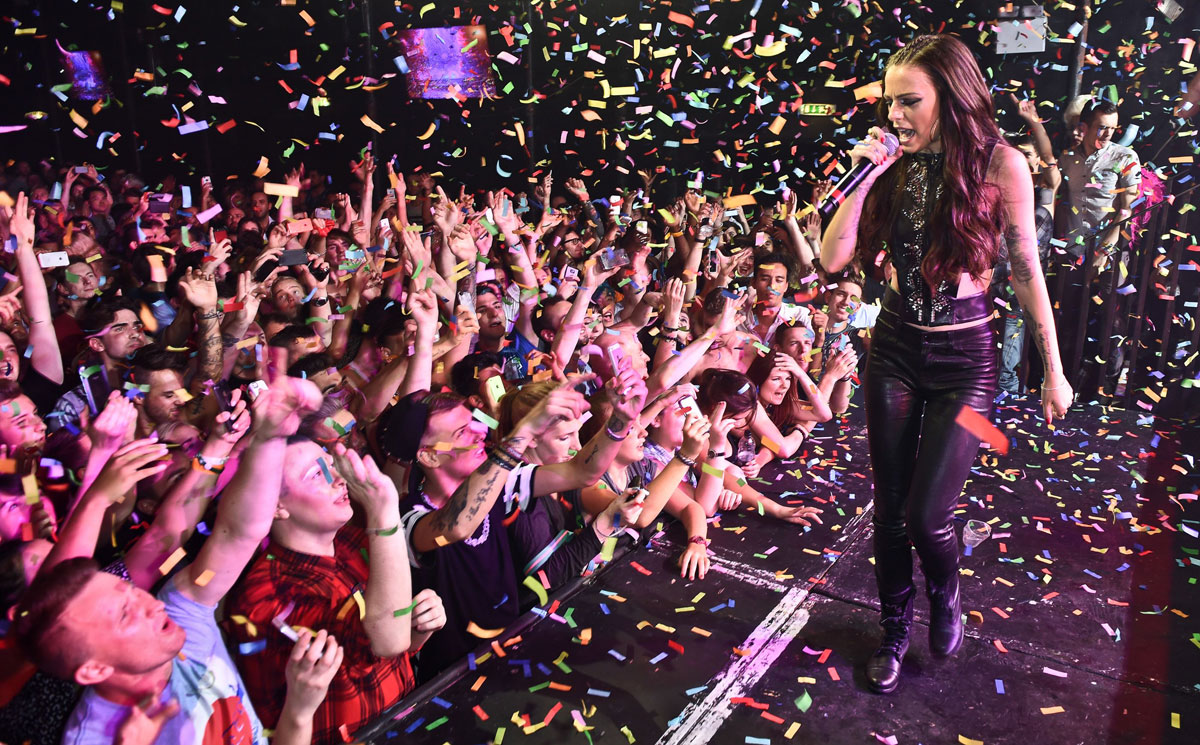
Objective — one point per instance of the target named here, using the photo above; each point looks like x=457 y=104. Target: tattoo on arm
x=1019 y=259
x=469 y=497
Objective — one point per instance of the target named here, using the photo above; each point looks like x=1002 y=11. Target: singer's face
x=913 y=106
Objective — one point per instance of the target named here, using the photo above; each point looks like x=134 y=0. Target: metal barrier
x=1132 y=309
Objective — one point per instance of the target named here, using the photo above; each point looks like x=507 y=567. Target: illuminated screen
x=86 y=71
x=447 y=62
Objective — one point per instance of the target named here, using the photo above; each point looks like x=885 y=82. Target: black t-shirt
x=475 y=578
x=538 y=527
x=41 y=390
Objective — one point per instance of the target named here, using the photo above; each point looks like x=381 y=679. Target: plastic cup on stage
x=975 y=532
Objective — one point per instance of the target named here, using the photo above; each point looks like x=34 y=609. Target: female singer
x=938 y=216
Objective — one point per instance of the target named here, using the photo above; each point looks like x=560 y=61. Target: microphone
x=851 y=180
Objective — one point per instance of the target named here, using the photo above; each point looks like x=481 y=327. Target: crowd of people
x=372 y=417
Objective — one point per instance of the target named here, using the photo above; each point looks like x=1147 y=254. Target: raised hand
x=564 y=402
x=218 y=250
x=422 y=304
x=199 y=289
x=20 y=222
x=695 y=436
x=115 y=425
x=446 y=213
x=365 y=483
x=279 y=409
x=627 y=391
x=129 y=465
x=577 y=189
x=462 y=244
x=1027 y=108
x=230 y=426
x=310 y=670
x=718 y=436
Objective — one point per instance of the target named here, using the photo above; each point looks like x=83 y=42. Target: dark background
x=239 y=52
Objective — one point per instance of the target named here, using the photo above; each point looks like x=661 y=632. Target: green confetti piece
x=481 y=416
x=404 y=611
x=536 y=588
x=436 y=723
x=804 y=703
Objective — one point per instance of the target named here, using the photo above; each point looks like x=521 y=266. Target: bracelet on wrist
x=689 y=462
x=613 y=435
x=200 y=463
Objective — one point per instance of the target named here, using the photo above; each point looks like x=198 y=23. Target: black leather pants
x=916 y=384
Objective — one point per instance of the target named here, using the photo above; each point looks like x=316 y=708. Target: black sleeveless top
x=921 y=186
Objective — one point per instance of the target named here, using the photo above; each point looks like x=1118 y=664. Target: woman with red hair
x=936 y=207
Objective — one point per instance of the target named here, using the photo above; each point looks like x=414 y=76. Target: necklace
x=472 y=542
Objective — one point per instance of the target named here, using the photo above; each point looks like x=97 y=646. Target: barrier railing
x=1129 y=311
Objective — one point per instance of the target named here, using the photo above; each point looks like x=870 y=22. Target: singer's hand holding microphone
x=873 y=155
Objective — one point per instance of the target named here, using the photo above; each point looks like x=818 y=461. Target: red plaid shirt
x=320 y=590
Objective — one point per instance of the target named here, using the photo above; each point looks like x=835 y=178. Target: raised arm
x=114 y=484
x=389 y=584
x=473 y=499
x=248 y=504
x=200 y=291
x=189 y=498
x=45 y=355
x=568 y=335
x=628 y=394
x=841 y=235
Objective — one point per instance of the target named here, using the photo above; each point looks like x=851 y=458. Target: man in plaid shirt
x=315 y=574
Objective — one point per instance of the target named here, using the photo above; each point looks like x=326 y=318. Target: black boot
x=883 y=669
x=945 y=619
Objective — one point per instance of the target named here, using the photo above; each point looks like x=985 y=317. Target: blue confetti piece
x=617 y=655
x=598 y=692
x=413 y=727
x=253 y=647
x=658 y=658
x=1000 y=686
x=605 y=609
x=442 y=702
x=325 y=470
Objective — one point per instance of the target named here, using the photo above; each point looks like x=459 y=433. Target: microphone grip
x=845 y=187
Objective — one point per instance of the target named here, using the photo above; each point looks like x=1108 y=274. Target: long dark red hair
x=968 y=220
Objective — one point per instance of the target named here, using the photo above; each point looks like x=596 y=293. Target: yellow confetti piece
x=282 y=190
x=791 y=731
x=205 y=577
x=335 y=72
x=964 y=740
x=79 y=120
x=183 y=395
x=369 y=122
x=701 y=632
x=475 y=631
x=172 y=560
x=441 y=540
x=1052 y=710
x=263 y=169
x=741 y=200
x=428 y=133
x=537 y=589
x=30 y=485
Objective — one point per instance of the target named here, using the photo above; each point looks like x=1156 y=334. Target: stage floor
x=1084 y=621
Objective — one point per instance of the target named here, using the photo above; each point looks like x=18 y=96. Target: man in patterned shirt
x=321 y=571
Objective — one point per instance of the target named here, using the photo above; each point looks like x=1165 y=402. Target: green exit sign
x=817 y=109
